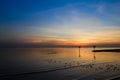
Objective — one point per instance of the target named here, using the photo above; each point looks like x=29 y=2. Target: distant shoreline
x=107 y=50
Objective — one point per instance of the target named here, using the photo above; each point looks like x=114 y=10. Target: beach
x=91 y=71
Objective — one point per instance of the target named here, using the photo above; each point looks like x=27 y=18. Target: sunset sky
x=59 y=22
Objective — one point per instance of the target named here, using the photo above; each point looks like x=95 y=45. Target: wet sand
x=87 y=71
x=114 y=78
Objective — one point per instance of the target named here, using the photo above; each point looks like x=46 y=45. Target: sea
x=58 y=64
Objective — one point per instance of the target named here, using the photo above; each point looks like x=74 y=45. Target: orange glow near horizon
x=71 y=42
x=60 y=42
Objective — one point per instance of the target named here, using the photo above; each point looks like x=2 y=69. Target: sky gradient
x=59 y=22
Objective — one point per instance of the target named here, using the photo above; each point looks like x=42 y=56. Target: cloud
x=73 y=26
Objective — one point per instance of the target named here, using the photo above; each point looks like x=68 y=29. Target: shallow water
x=20 y=60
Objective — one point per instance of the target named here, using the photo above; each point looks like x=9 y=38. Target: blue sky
x=79 y=21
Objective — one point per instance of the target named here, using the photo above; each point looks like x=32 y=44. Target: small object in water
x=115 y=68
x=90 y=66
x=59 y=61
x=96 y=69
x=118 y=69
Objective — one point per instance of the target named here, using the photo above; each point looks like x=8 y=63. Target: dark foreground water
x=58 y=64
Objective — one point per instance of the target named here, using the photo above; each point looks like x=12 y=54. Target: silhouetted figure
x=79 y=51
x=94 y=56
x=94 y=52
x=94 y=47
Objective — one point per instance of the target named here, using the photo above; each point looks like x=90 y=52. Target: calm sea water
x=21 y=60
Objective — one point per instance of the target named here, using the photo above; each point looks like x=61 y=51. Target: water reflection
x=79 y=52
x=94 y=56
x=31 y=60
